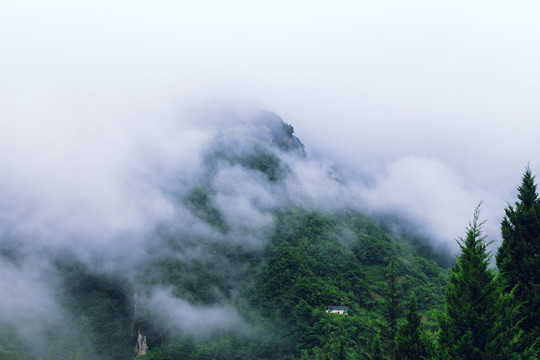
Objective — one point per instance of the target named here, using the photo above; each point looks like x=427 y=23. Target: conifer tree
x=411 y=340
x=507 y=343
x=304 y=354
x=325 y=350
x=376 y=349
x=468 y=324
x=518 y=258
x=339 y=346
x=392 y=310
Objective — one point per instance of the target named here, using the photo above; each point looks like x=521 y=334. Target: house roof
x=335 y=307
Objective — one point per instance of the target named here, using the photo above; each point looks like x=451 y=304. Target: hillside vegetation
x=248 y=267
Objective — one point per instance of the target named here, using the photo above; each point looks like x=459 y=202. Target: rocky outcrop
x=141 y=347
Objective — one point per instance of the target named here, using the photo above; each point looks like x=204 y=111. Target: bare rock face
x=281 y=133
x=141 y=348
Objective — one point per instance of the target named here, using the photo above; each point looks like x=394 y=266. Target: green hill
x=246 y=270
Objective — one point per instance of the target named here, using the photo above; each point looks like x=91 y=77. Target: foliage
x=412 y=342
x=470 y=327
x=11 y=346
x=518 y=258
x=314 y=259
x=265 y=162
x=282 y=284
x=200 y=203
x=318 y=259
x=376 y=349
x=100 y=306
x=392 y=309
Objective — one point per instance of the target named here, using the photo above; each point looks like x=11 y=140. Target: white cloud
x=194 y=320
x=430 y=192
x=437 y=104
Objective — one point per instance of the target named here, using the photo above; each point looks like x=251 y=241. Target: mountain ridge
x=251 y=256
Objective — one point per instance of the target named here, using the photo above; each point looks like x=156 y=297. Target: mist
x=183 y=195
x=112 y=114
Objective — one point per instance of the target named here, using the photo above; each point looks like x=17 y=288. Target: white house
x=334 y=309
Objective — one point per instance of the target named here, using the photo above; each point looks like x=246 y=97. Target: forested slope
x=244 y=269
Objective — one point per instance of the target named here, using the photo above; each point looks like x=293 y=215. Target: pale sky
x=438 y=101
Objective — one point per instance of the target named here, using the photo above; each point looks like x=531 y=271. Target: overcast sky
x=438 y=101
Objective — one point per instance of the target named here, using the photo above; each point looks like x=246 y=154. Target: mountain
x=258 y=241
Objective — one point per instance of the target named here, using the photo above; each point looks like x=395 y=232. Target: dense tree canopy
x=518 y=258
x=479 y=322
x=313 y=259
x=412 y=342
x=467 y=326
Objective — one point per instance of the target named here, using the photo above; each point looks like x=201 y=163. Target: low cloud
x=179 y=315
x=432 y=194
x=119 y=204
x=28 y=300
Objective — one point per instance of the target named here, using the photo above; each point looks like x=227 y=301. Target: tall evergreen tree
x=392 y=309
x=508 y=342
x=518 y=258
x=376 y=349
x=326 y=341
x=468 y=324
x=339 y=346
x=411 y=340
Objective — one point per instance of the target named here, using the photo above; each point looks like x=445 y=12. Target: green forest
x=401 y=298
